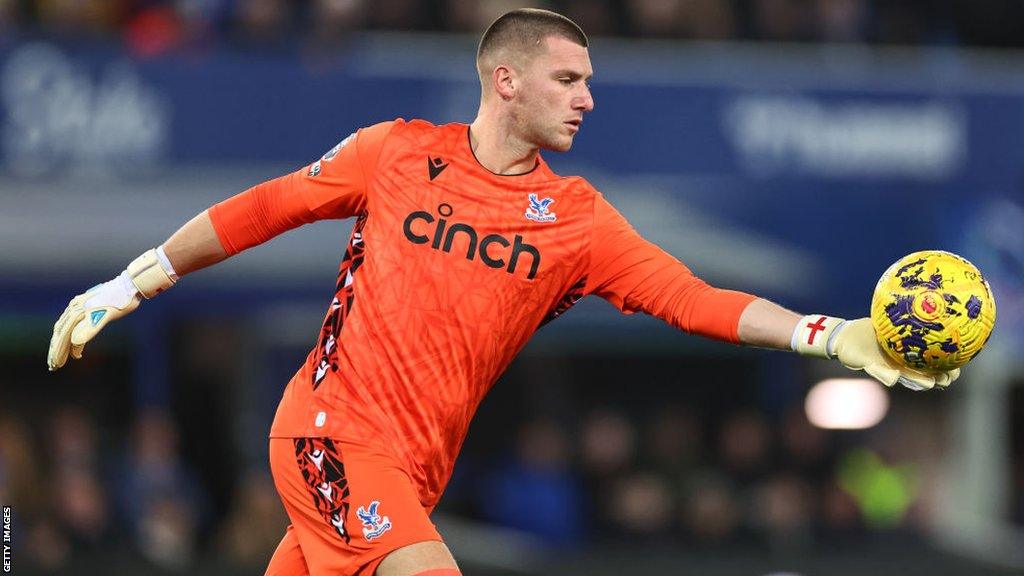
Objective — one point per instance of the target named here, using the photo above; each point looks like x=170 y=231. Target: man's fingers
x=89 y=327
x=57 y=356
x=71 y=337
x=60 y=342
x=891 y=375
x=857 y=349
x=882 y=373
x=944 y=379
x=917 y=382
x=86 y=315
x=61 y=325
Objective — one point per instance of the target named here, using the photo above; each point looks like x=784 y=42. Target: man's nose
x=585 y=101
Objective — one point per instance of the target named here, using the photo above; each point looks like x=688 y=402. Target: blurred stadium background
x=793 y=148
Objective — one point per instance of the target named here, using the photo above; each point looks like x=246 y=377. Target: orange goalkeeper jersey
x=448 y=272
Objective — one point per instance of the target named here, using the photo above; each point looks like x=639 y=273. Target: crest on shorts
x=374 y=525
x=538 y=210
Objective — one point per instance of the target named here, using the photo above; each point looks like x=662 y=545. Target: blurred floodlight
x=846 y=403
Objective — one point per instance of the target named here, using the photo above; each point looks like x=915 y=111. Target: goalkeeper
x=450 y=268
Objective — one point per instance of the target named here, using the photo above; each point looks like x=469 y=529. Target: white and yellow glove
x=853 y=343
x=87 y=314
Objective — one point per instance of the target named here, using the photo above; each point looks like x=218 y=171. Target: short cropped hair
x=524 y=31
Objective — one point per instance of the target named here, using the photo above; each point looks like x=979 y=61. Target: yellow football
x=932 y=311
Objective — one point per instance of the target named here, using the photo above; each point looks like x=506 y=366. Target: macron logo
x=435 y=166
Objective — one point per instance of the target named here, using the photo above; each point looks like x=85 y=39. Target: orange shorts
x=350 y=506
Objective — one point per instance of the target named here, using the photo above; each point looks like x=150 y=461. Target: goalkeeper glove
x=87 y=314
x=853 y=343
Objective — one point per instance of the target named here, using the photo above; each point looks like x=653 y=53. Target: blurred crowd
x=154 y=26
x=84 y=496
x=747 y=480
x=83 y=499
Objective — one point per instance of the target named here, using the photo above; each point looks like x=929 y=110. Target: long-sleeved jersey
x=449 y=270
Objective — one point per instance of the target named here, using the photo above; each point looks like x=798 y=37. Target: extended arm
x=250 y=218
x=852 y=343
x=246 y=220
x=767 y=325
x=194 y=246
x=332 y=187
x=635 y=275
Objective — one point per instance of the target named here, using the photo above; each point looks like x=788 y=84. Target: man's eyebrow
x=572 y=74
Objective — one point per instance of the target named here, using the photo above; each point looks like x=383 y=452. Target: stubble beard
x=543 y=135
x=552 y=138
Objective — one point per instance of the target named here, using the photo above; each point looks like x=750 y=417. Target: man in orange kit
x=465 y=243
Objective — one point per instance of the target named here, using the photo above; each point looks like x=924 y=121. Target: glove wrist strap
x=165 y=263
x=814 y=335
x=148 y=274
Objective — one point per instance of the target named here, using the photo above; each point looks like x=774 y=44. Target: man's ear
x=505 y=82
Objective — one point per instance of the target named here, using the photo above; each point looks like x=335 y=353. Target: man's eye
x=565 y=81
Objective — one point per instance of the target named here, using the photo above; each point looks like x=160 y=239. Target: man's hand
x=88 y=313
x=854 y=345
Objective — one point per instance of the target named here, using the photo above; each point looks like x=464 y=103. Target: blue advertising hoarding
x=797 y=174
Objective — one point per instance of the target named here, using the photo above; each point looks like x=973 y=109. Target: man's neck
x=498 y=150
